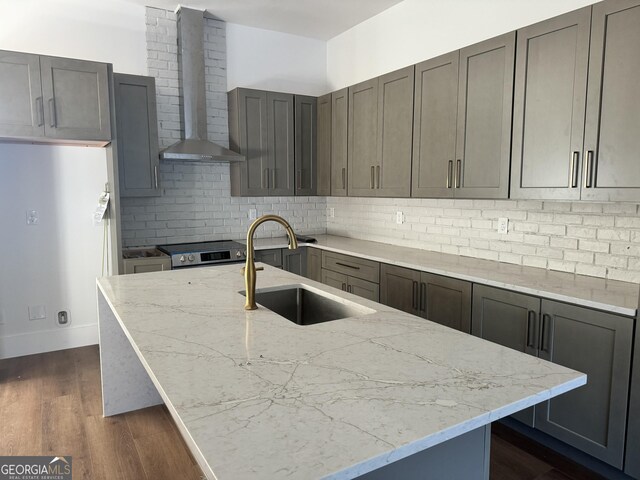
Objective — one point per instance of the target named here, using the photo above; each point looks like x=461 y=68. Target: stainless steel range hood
x=195 y=145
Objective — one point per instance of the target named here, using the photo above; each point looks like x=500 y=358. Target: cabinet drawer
x=352 y=266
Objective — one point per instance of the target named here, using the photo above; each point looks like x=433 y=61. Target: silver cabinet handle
x=423 y=296
x=458 y=173
x=273 y=178
x=344 y=178
x=449 y=173
x=299 y=179
x=531 y=319
x=574 y=169
x=344 y=286
x=265 y=175
x=372 y=181
x=588 y=174
x=52 y=113
x=349 y=289
x=347 y=265
x=544 y=344
x=40 y=109
x=414 y=298
x=155 y=176
x=378 y=176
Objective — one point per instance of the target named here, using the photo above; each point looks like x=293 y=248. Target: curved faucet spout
x=250 y=266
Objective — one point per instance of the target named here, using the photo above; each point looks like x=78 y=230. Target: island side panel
x=466 y=456
x=126 y=386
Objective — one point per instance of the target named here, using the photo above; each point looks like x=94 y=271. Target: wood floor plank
x=149 y=421
x=60 y=376
x=21 y=380
x=164 y=457
x=508 y=462
x=20 y=428
x=87 y=362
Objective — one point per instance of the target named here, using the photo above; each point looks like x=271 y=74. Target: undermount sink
x=303 y=306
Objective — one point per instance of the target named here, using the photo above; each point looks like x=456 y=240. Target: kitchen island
x=254 y=395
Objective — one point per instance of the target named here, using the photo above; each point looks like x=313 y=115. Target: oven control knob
x=239 y=254
x=182 y=259
x=191 y=258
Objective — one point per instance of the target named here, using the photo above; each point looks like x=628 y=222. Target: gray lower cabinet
x=295 y=261
x=137 y=135
x=339 y=126
x=363 y=138
x=306 y=145
x=271 y=256
x=592 y=418
x=314 y=264
x=323 y=151
x=443 y=300
x=549 y=107
x=611 y=141
x=54 y=98
x=357 y=286
x=632 y=459
x=280 y=144
x=351 y=274
x=145 y=260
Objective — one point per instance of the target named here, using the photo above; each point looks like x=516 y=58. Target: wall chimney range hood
x=195 y=145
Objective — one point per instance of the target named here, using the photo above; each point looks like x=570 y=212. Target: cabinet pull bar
x=378 y=176
x=344 y=178
x=348 y=266
x=414 y=297
x=273 y=178
x=449 y=173
x=155 y=176
x=423 y=296
x=531 y=319
x=588 y=177
x=458 y=173
x=574 y=169
x=344 y=286
x=40 y=109
x=372 y=182
x=265 y=174
x=349 y=288
x=52 y=113
x=543 y=333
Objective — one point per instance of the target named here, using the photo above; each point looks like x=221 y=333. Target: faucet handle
x=243 y=270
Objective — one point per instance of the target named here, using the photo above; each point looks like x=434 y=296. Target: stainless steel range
x=202 y=254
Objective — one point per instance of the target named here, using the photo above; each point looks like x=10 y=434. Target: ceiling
x=322 y=19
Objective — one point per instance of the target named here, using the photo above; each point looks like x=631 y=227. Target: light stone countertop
x=609 y=295
x=261 y=397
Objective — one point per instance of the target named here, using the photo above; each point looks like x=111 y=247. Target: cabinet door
x=295 y=261
x=272 y=256
x=485 y=95
x=76 y=99
x=591 y=418
x=363 y=138
x=395 y=123
x=446 y=301
x=434 y=127
x=339 y=125
x=145 y=265
x=314 y=264
x=509 y=319
x=549 y=107
x=323 y=154
x=21 y=107
x=400 y=288
x=333 y=279
x=632 y=459
x=137 y=135
x=364 y=289
x=612 y=143
x=305 y=144
x=248 y=136
x=280 y=144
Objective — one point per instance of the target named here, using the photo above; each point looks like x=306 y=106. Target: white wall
x=54 y=263
x=416 y=30
x=269 y=60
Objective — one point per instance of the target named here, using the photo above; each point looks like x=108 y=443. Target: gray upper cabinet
x=248 y=136
x=549 y=107
x=485 y=94
x=363 y=138
x=51 y=98
x=280 y=144
x=395 y=123
x=592 y=418
x=137 y=135
x=434 y=127
x=323 y=153
x=21 y=107
x=306 y=146
x=612 y=143
x=339 y=125
x=76 y=99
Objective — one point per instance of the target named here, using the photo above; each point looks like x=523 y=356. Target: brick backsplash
x=596 y=239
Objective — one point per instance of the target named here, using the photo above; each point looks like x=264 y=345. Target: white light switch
x=399 y=218
x=37 y=312
x=32 y=217
x=503 y=225
x=253 y=214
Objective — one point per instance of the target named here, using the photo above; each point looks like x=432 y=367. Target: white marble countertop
x=608 y=295
x=261 y=397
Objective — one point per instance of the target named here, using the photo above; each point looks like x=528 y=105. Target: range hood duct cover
x=195 y=145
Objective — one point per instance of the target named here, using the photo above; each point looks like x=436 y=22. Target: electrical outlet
x=32 y=217
x=503 y=225
x=253 y=214
x=37 y=312
x=332 y=212
x=399 y=218
x=63 y=319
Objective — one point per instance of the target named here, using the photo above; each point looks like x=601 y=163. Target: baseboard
x=48 y=340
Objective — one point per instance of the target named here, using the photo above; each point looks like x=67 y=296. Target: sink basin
x=304 y=306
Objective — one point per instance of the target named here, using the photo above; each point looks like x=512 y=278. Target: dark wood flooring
x=50 y=404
